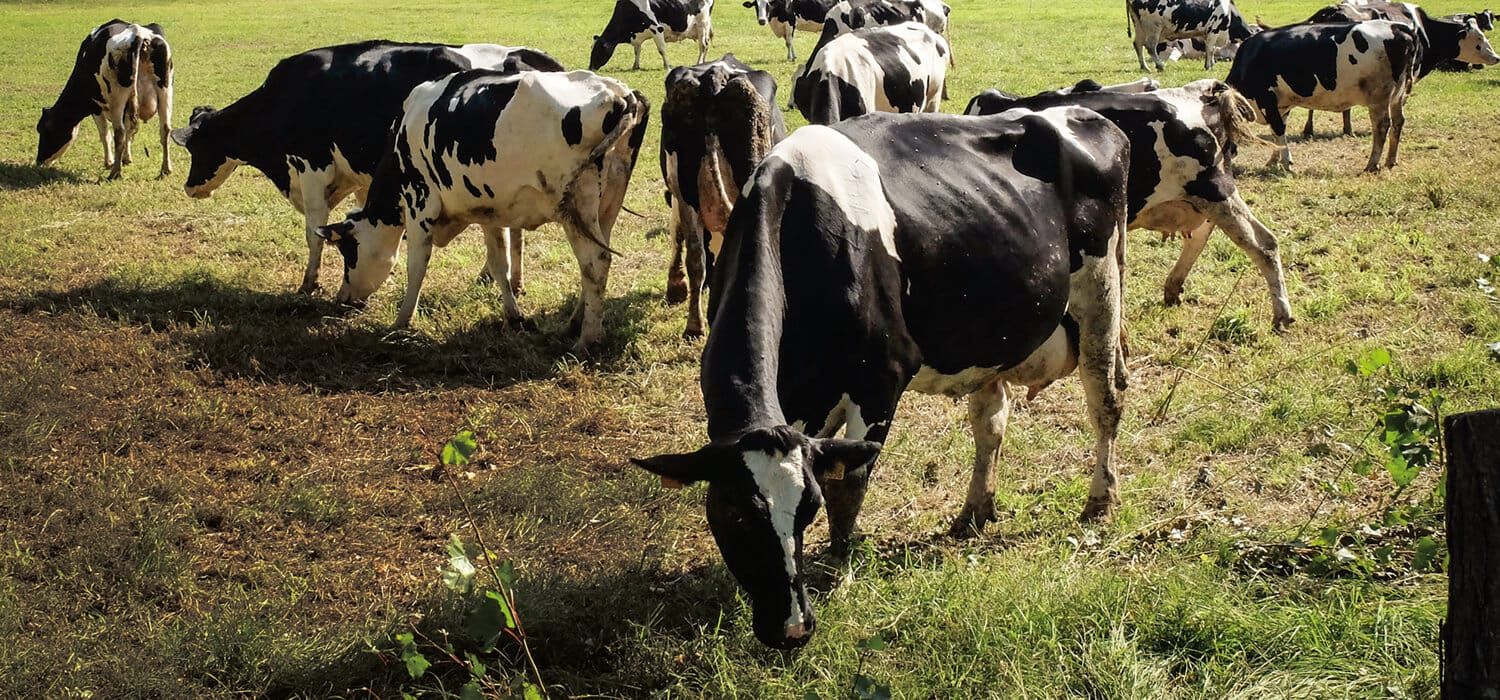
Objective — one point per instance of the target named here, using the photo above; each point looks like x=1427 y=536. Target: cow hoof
x=677 y=293
x=971 y=521
x=308 y=288
x=484 y=278
x=1280 y=325
x=692 y=332
x=1097 y=510
x=1171 y=298
x=522 y=323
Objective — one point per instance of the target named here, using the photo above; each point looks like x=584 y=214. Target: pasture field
x=215 y=487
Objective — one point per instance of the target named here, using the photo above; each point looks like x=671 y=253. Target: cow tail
x=1237 y=114
x=1127 y=19
x=637 y=112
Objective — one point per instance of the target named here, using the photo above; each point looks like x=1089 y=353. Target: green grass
x=216 y=487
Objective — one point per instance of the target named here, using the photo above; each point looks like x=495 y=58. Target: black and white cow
x=1458 y=39
x=1178 y=49
x=717 y=123
x=1182 y=141
x=851 y=274
x=787 y=17
x=995 y=101
x=1216 y=22
x=319 y=124
x=880 y=69
x=1332 y=67
x=849 y=15
x=122 y=77
x=499 y=150
x=638 y=21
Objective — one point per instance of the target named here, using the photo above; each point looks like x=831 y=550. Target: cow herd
x=867 y=254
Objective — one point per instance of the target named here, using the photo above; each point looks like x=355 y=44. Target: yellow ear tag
x=669 y=483
x=837 y=472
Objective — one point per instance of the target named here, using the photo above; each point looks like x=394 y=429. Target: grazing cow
x=851 y=274
x=1182 y=141
x=318 y=125
x=880 y=69
x=499 y=150
x=1332 y=67
x=122 y=77
x=1216 y=22
x=637 y=21
x=1178 y=49
x=717 y=123
x=1458 y=39
x=787 y=17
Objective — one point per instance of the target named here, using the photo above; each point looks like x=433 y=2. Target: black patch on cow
x=1352 y=60
x=572 y=126
x=612 y=117
x=462 y=120
x=1360 y=43
x=469 y=185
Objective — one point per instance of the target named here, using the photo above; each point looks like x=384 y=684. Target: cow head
x=1473 y=47
x=54 y=135
x=369 y=251
x=762 y=494
x=210 y=163
x=603 y=50
x=762 y=10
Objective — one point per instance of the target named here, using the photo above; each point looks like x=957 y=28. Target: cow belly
x=1056 y=358
x=1367 y=81
x=517 y=201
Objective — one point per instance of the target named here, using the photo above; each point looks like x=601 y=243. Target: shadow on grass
x=296 y=339
x=26 y=176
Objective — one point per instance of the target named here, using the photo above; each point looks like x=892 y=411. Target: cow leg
x=516 y=240
x=661 y=48
x=315 y=208
x=1380 y=123
x=677 y=286
x=1094 y=301
x=580 y=219
x=1140 y=56
x=498 y=265
x=1192 y=246
x=845 y=497
x=419 y=236
x=1398 y=120
x=637 y=64
x=1277 y=119
x=989 y=411
x=164 y=121
x=1307 y=131
x=1348 y=123
x=1252 y=236
x=121 y=137
x=696 y=260
x=791 y=54
x=102 y=123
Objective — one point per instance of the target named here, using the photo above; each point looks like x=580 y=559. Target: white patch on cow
x=827 y=158
x=485 y=55
x=223 y=172
x=1060 y=120
x=855 y=427
x=849 y=57
x=1177 y=170
x=781 y=482
x=965 y=382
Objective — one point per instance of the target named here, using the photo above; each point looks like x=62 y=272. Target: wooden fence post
x=1471 y=634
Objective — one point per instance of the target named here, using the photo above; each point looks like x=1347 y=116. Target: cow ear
x=335 y=232
x=832 y=457
x=748 y=3
x=677 y=471
x=182 y=135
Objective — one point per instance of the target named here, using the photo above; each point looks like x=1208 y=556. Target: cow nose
x=797 y=631
x=762 y=22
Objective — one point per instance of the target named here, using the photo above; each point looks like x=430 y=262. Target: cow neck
x=741 y=360
x=73 y=106
x=1439 y=33
x=383 y=205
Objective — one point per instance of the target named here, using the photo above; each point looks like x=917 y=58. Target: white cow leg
x=661 y=48
x=1380 y=124
x=164 y=121
x=637 y=47
x=1398 y=120
x=1192 y=247
x=677 y=286
x=121 y=137
x=1094 y=301
x=791 y=53
x=989 y=411
x=498 y=265
x=1252 y=236
x=419 y=235
x=102 y=124
x=580 y=218
x=315 y=214
x=516 y=240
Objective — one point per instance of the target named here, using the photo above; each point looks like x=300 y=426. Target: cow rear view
x=121 y=77
x=501 y=151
